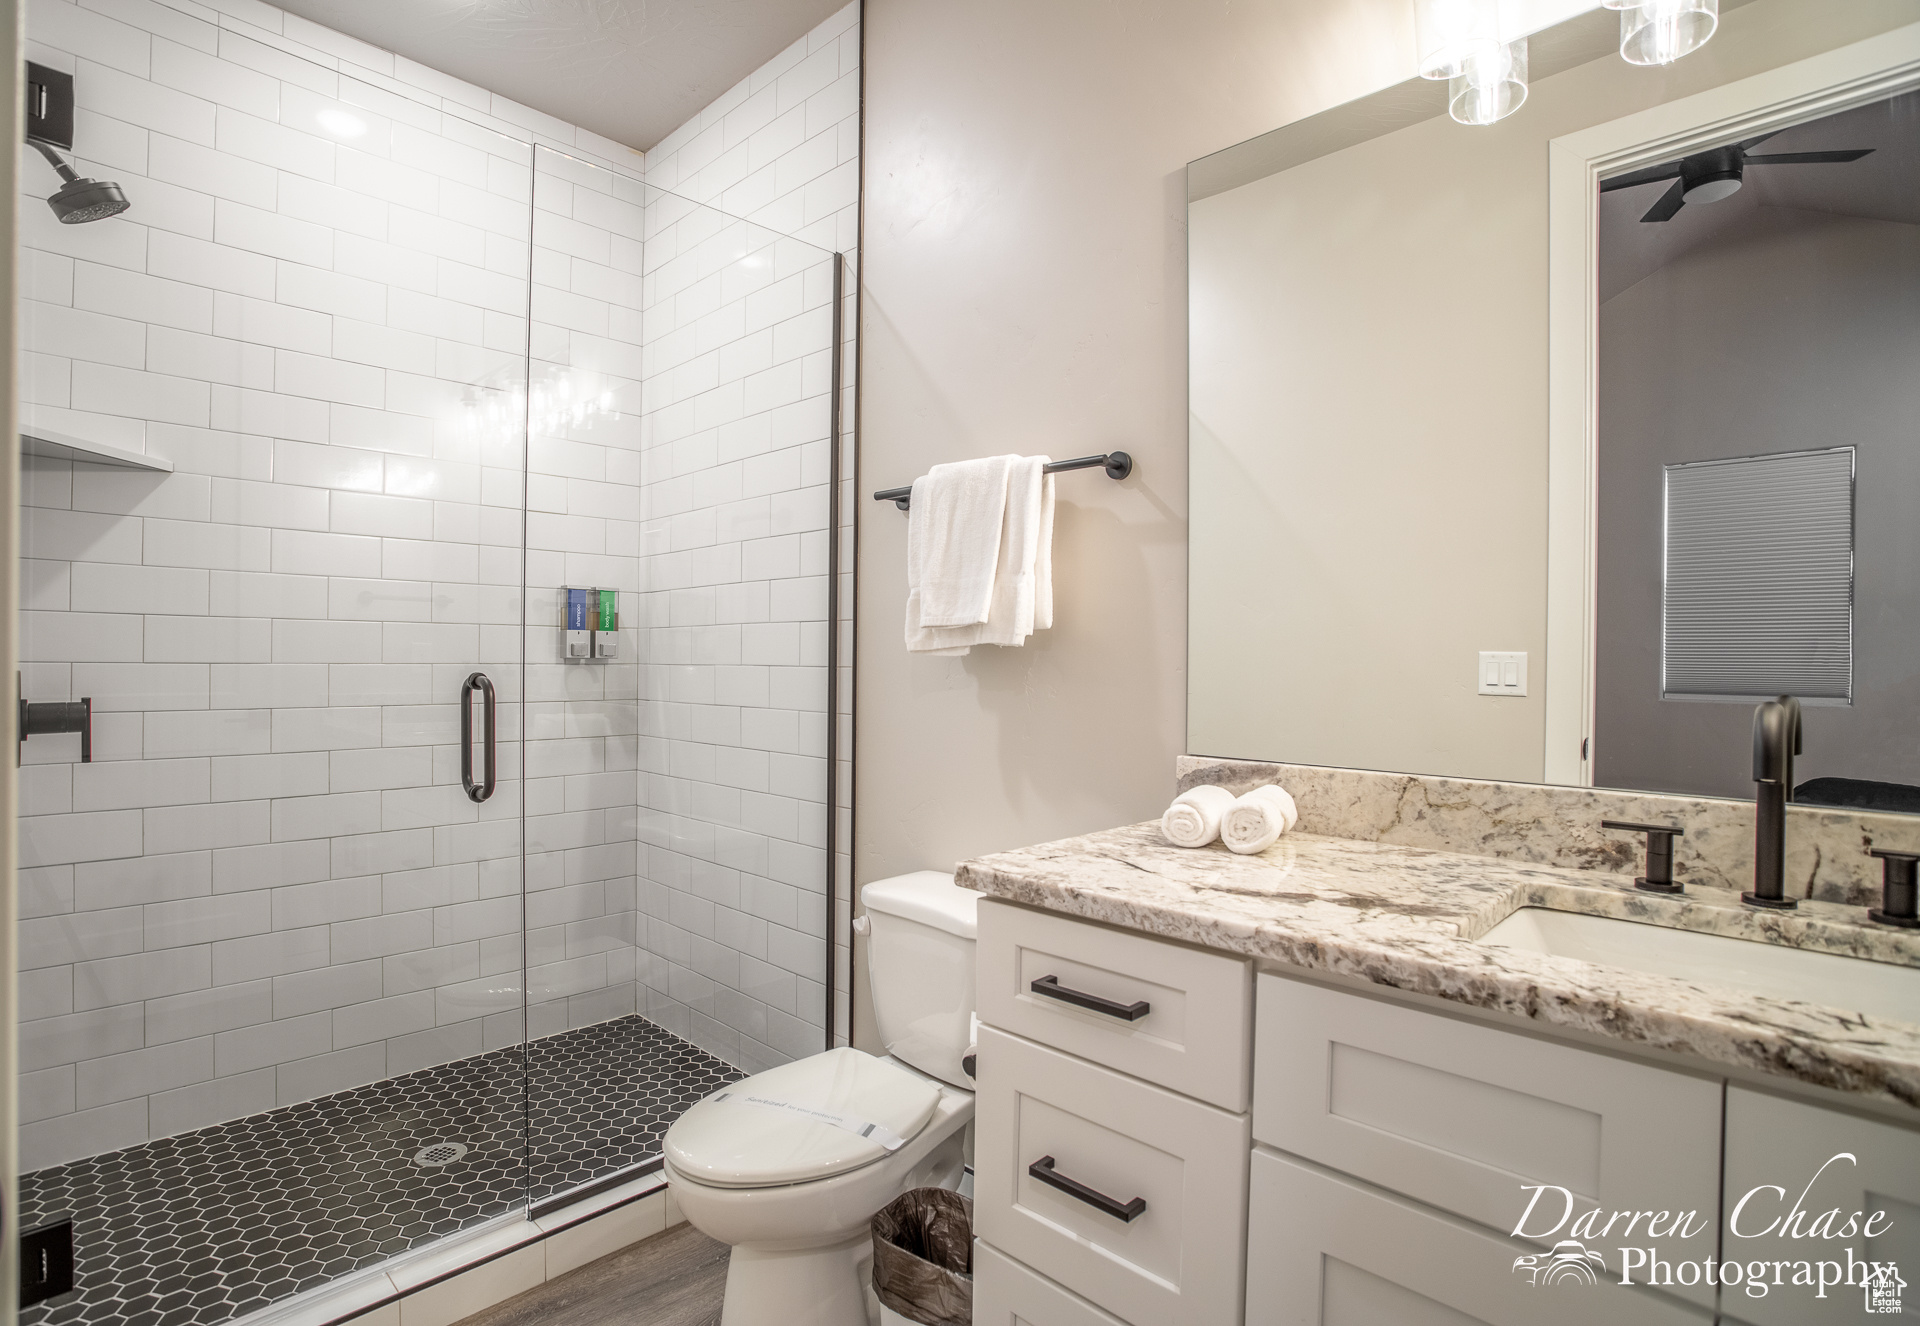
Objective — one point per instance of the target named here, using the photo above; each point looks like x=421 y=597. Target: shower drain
x=435 y=1154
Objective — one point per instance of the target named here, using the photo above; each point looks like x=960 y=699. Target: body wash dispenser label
x=606 y=638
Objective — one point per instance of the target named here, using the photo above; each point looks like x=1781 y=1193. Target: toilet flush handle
x=861 y=925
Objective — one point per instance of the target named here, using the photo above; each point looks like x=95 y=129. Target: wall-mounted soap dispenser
x=606 y=631
x=592 y=628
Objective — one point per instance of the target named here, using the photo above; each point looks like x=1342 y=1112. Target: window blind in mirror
x=1759 y=578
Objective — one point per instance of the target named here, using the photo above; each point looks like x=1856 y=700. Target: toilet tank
x=920 y=958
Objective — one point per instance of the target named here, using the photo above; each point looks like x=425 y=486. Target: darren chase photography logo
x=1570 y=1260
x=1823 y=1240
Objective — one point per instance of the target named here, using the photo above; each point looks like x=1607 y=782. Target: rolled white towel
x=1193 y=820
x=1256 y=820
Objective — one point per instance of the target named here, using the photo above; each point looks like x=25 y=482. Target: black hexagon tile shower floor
x=214 y=1224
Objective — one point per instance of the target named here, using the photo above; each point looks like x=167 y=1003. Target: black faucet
x=1776 y=740
x=1900 y=895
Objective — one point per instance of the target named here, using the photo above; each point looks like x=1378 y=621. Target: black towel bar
x=1117 y=464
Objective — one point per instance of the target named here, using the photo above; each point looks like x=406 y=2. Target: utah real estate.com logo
x=1819 y=1237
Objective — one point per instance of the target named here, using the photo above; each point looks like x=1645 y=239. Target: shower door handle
x=477 y=682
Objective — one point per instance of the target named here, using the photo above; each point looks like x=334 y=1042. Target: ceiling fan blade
x=1809 y=158
x=1670 y=202
x=1645 y=176
x=1752 y=143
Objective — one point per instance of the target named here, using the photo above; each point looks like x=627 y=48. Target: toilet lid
x=810 y=1119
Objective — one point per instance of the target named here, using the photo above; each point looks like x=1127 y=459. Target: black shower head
x=87 y=200
x=79 y=200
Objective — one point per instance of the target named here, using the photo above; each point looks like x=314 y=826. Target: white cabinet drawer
x=1175 y=1263
x=1005 y=1293
x=1192 y=1035
x=1462 y=1115
x=1322 y=1251
x=1775 y=1148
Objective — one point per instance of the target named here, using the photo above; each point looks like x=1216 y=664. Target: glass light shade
x=1491 y=87
x=1661 y=31
x=1453 y=32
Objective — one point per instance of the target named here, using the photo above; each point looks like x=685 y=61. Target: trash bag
x=923 y=1257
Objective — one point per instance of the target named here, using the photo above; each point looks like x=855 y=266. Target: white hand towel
x=1193 y=820
x=1020 y=599
x=956 y=516
x=1256 y=820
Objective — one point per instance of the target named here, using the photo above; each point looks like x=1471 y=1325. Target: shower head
x=87 y=200
x=79 y=200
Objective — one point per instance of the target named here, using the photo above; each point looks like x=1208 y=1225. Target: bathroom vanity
x=1323 y=1084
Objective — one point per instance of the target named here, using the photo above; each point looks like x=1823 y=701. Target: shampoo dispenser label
x=578 y=639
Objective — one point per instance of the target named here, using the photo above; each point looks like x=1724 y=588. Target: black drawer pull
x=1050 y=987
x=1043 y=1170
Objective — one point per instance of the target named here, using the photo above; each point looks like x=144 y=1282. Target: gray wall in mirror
x=1368 y=398
x=1786 y=318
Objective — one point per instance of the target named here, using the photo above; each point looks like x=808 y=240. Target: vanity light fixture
x=1491 y=87
x=1453 y=33
x=1661 y=31
x=1459 y=40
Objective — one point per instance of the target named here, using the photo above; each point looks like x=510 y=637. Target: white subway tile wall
x=269 y=885
x=734 y=691
x=781 y=149
x=583 y=520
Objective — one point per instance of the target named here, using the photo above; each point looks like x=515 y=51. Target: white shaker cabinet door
x=1005 y=1293
x=1325 y=1251
x=1464 y=1116
x=1775 y=1149
x=1125 y=1193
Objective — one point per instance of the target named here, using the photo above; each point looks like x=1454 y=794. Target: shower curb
x=355 y=1297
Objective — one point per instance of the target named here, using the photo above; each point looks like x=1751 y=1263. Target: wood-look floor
x=673 y=1279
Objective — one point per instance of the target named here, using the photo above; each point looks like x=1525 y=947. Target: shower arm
x=67 y=172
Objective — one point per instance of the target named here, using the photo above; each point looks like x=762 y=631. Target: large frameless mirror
x=1370 y=384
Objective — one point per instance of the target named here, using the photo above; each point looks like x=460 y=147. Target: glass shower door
x=272 y=998
x=676 y=643
x=588 y=1054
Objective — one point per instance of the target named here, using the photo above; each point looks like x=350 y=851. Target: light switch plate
x=1503 y=673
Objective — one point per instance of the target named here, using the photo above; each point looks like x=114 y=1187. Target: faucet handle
x=1659 y=876
x=1899 y=903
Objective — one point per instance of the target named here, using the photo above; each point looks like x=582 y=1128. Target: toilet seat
x=812 y=1119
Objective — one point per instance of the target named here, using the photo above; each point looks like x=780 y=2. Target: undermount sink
x=1877 y=988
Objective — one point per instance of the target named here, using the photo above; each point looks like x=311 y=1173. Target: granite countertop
x=1407 y=918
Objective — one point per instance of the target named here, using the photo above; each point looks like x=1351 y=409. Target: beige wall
x=1370 y=417
x=1369 y=467
x=1024 y=289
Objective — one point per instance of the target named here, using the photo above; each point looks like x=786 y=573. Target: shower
x=467 y=1014
x=49 y=127
x=80 y=200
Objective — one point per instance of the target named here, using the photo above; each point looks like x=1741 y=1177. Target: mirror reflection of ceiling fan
x=1707 y=177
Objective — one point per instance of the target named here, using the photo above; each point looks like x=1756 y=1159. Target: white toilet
x=790 y=1165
